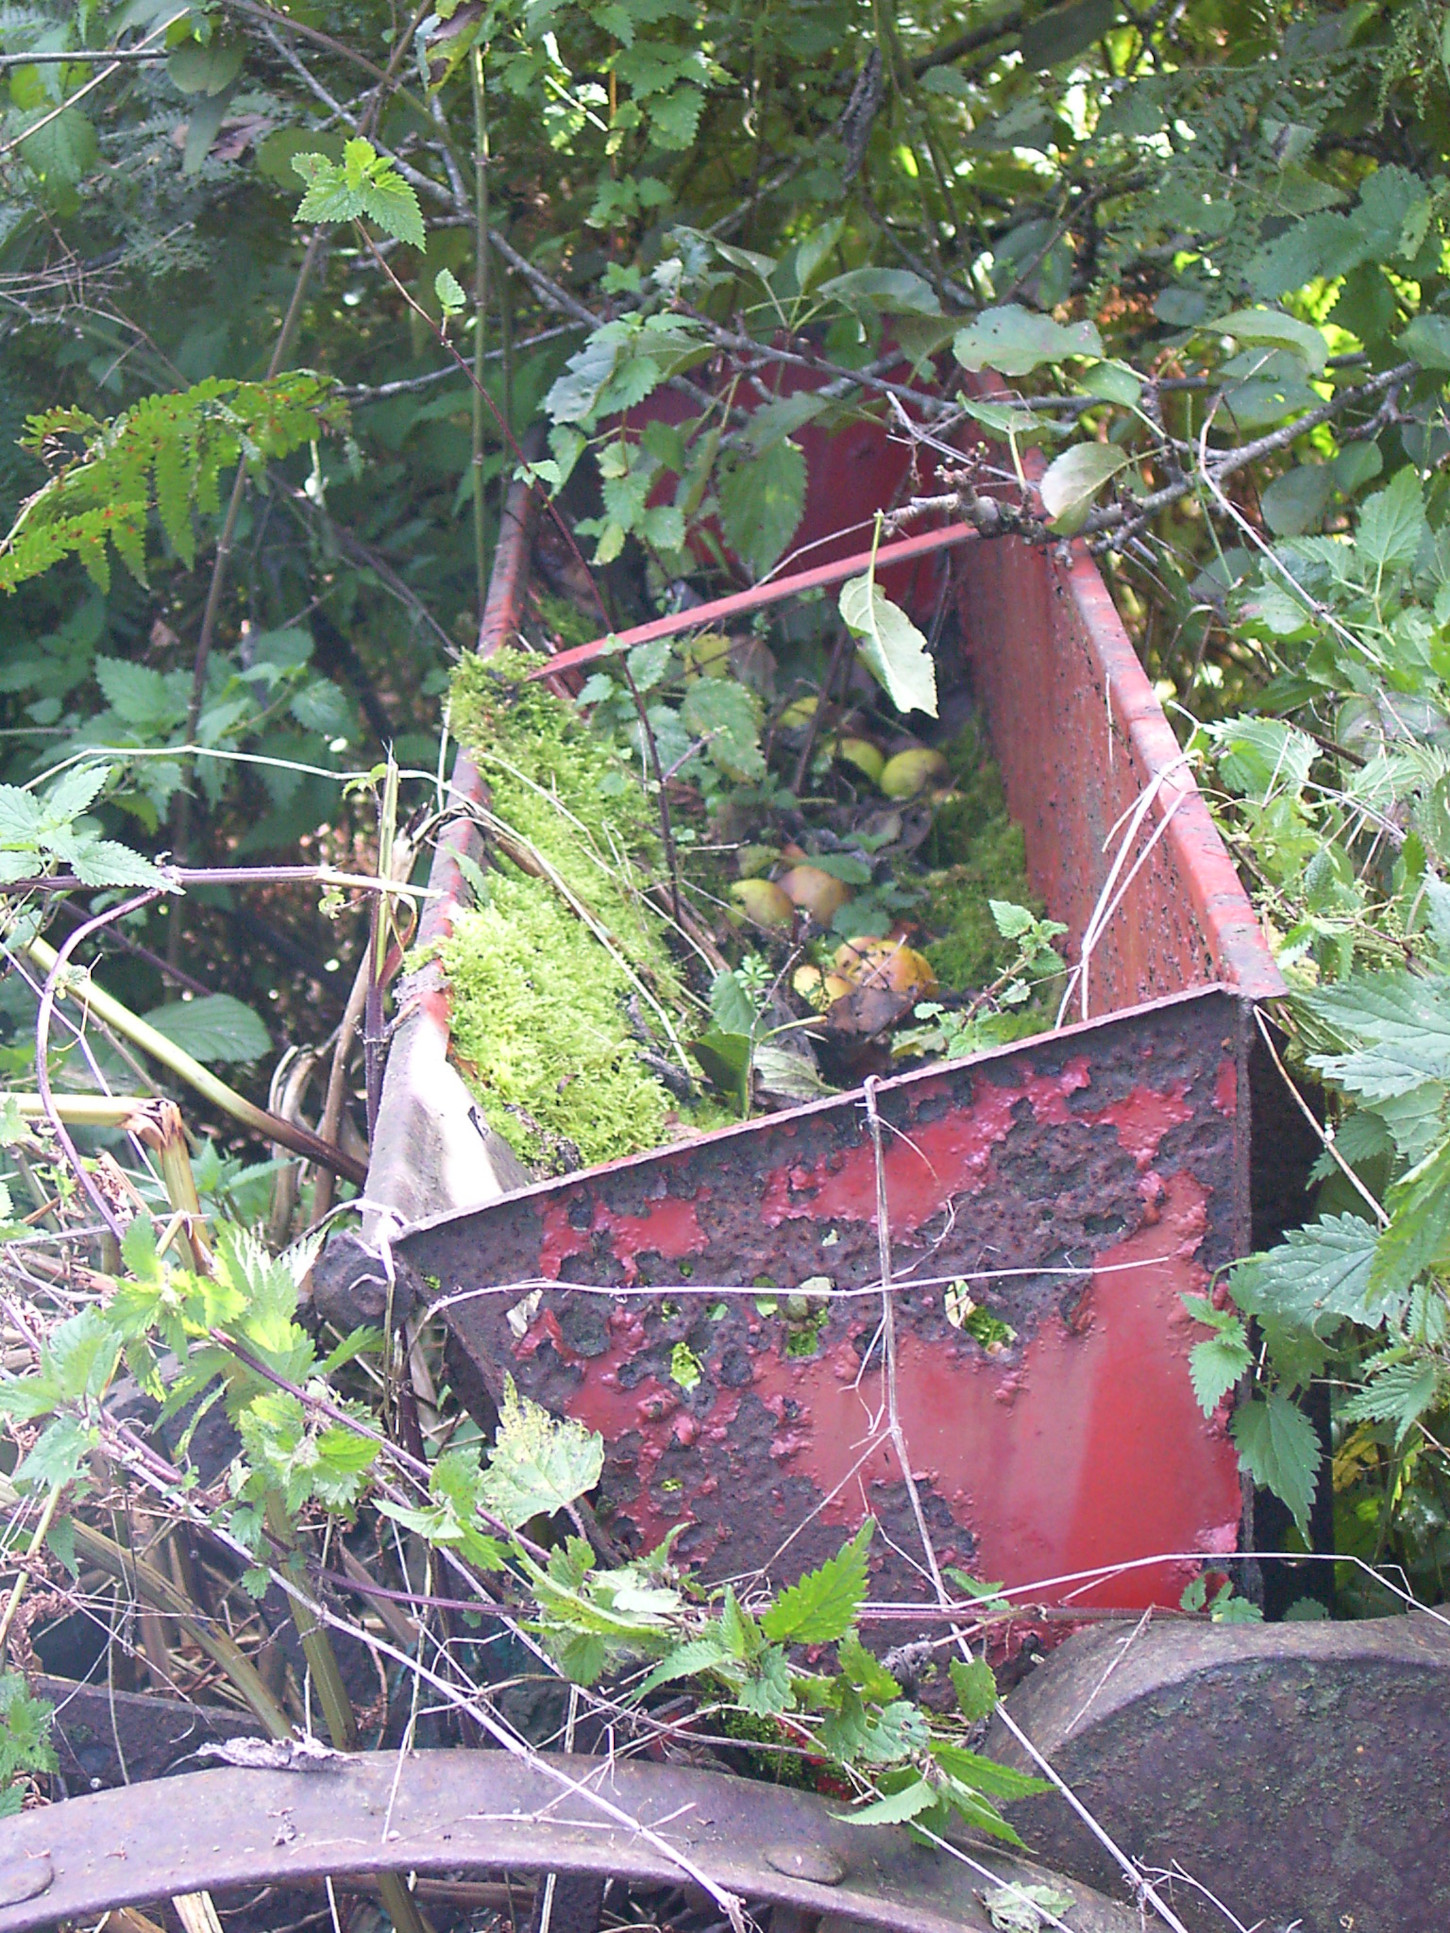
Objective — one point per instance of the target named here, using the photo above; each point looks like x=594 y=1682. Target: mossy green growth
x=540 y=1018
x=977 y=853
x=568 y=794
x=539 y=1030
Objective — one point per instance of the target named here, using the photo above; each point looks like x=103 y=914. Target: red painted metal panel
x=1078 y=1184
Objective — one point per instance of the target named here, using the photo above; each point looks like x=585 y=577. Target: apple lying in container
x=912 y=771
x=814 y=891
x=764 y=904
x=889 y=963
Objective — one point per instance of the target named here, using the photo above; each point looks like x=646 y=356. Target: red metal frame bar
x=720 y=608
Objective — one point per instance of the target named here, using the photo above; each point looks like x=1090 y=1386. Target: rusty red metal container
x=715 y=1308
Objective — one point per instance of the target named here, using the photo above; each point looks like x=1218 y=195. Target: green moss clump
x=568 y=794
x=540 y=1004
x=539 y=1027
x=977 y=852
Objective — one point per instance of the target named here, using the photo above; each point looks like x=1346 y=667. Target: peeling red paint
x=1085 y=1455
x=1145 y=1117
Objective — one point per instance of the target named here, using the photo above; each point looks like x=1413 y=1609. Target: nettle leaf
x=766 y=1692
x=976 y=1688
x=539 y=1464
x=823 y=1605
x=889 y=645
x=727 y=716
x=1217 y=1363
x=897 y=1807
x=1398 y=1028
x=1419 y=1224
x=1398 y=1392
x=1073 y=480
x=1279 y=1449
x=1014 y=341
x=685 y=1661
x=1316 y=1276
x=215 y=1027
x=762 y=498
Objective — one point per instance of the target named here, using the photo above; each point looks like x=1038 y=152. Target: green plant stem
x=148 y=1582
x=178 y=1062
x=337 y=1709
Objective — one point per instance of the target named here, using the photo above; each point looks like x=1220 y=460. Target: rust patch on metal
x=1079 y=1184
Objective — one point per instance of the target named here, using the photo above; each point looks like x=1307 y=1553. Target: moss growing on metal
x=548 y=1003
x=977 y=854
x=541 y=1033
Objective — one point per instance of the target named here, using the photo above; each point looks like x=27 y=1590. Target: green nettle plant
x=309 y=1457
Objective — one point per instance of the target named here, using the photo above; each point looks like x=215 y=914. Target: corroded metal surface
x=105 y=1737
x=1080 y=1183
x=1295 y=1770
x=450 y=1812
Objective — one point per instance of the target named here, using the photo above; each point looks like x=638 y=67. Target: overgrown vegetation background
x=254 y=450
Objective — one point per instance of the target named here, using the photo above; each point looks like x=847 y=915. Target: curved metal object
x=1297 y=1771
x=443 y=1812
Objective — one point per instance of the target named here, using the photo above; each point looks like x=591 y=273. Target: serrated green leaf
x=895 y=1808
x=393 y=204
x=1316 y=1276
x=865 y=1671
x=685 y=1661
x=449 y=291
x=1399 y=1393
x=889 y=645
x=975 y=1686
x=727 y=716
x=1278 y=1447
x=1217 y=1363
x=823 y=1605
x=766 y=1692
x=214 y=1028
x=1392 y=523
x=762 y=498
x=539 y=1463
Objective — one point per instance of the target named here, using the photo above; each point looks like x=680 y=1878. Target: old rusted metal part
x=1297 y=1771
x=452 y=1812
x=721 y=610
x=104 y=1737
x=1077 y=1185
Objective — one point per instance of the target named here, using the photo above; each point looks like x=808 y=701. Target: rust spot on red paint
x=1145 y=1117
x=1091 y=1453
x=669 y=1228
x=1226 y=1088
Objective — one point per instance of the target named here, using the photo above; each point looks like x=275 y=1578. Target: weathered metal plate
x=1079 y=1184
x=456 y=1812
x=1298 y=1771
x=105 y=1737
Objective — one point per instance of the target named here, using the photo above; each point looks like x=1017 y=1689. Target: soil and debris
x=827 y=894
